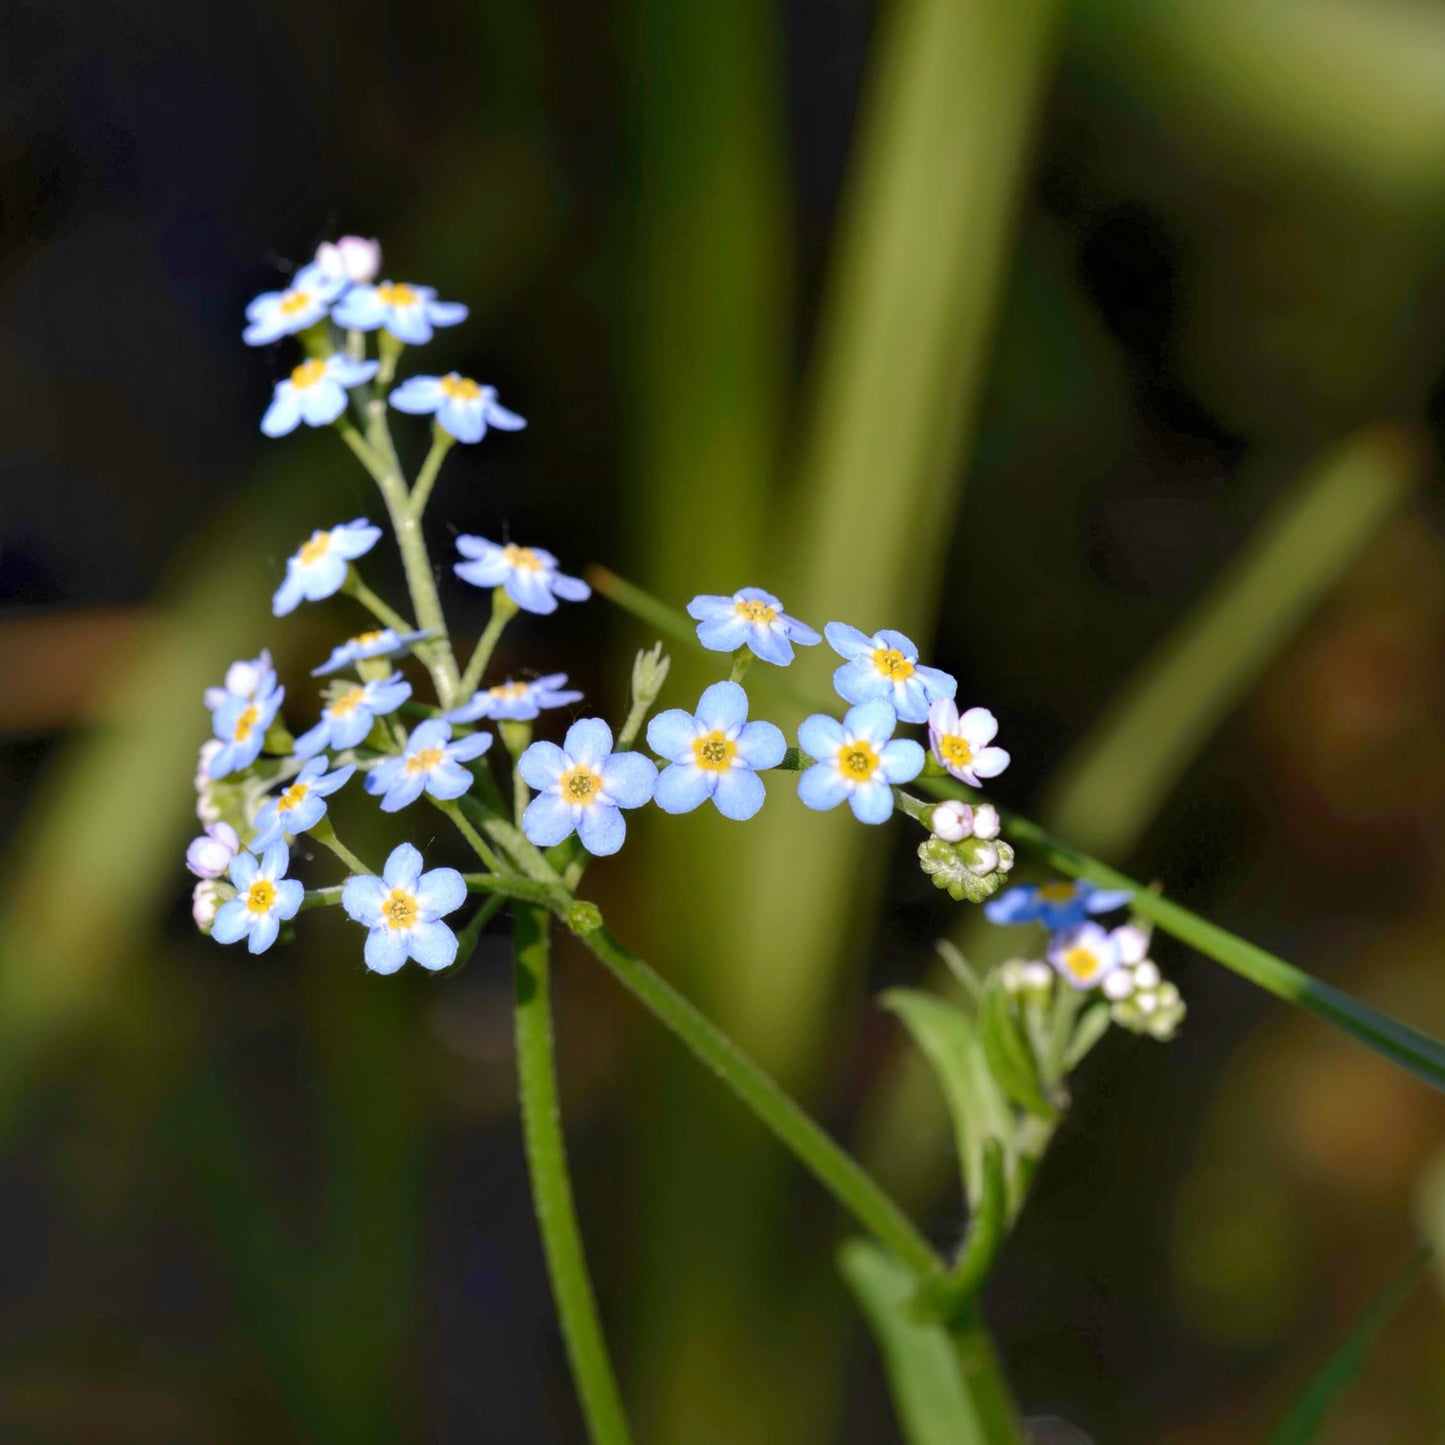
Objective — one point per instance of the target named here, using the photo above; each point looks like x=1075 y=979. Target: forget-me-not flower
x=529 y=574
x=265 y=898
x=463 y=409
x=886 y=666
x=714 y=754
x=856 y=760
x=408 y=312
x=961 y=743
x=1059 y=906
x=751 y=618
x=431 y=763
x=402 y=911
x=516 y=701
x=315 y=393
x=1084 y=955
x=384 y=642
x=346 y=721
x=299 y=807
x=249 y=678
x=581 y=786
x=274 y=314
x=209 y=856
x=318 y=568
x=240 y=726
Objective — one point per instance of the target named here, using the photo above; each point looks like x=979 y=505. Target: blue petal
x=433 y=945
x=570 y=589
x=541 y=765
x=1016 y=905
x=936 y=682
x=801 y=633
x=504 y=420
x=762 y=745
x=770 y=644
x=739 y=793
x=409 y=324
x=820 y=736
x=588 y=740
x=312 y=741
x=873 y=802
x=290 y=893
x=305 y=815
x=355 y=539
x=231 y=921
x=723 y=634
x=682 y=787
x=860 y=681
x=723 y=707
x=263 y=933
x=548 y=820
x=383 y=697
x=448 y=780
x=404 y=792
x=708 y=607
x=847 y=641
x=403 y=867
x=822 y=787
x=446 y=313
x=385 y=950
x=433 y=733
x=350 y=730
x=531 y=591
x=283 y=413
x=1103 y=900
x=874 y=721
x=441 y=891
x=902 y=760
x=465 y=749
x=897 y=642
x=360 y=309
x=324 y=578
x=418 y=395
x=288 y=595
x=322 y=403
x=628 y=779
x=602 y=829
x=670 y=734
x=362 y=897
x=244 y=869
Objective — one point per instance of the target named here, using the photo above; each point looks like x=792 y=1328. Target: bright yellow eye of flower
x=714 y=752
x=399 y=294
x=755 y=611
x=508 y=690
x=460 y=388
x=399 y=910
x=294 y=301
x=292 y=797
x=319 y=543
x=261 y=895
x=1083 y=963
x=893 y=662
x=955 y=750
x=246 y=723
x=365 y=639
x=424 y=760
x=308 y=374
x=857 y=761
x=1056 y=892
x=523 y=557
x=580 y=785
x=348 y=702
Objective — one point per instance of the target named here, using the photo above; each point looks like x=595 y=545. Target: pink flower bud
x=210 y=855
x=352 y=258
x=986 y=821
x=952 y=821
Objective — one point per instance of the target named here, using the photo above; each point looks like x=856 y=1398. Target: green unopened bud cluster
x=972 y=868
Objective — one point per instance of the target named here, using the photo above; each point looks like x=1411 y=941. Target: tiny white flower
x=952 y=821
x=961 y=742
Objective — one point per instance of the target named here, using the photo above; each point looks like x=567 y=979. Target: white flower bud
x=352 y=258
x=1118 y=985
x=210 y=856
x=952 y=821
x=986 y=822
x=985 y=859
x=205 y=901
x=1013 y=975
x=243 y=679
x=1146 y=974
x=1037 y=975
x=206 y=809
x=1133 y=943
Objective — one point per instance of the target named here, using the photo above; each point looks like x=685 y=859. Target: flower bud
x=1118 y=985
x=209 y=856
x=352 y=258
x=649 y=672
x=206 y=901
x=207 y=809
x=1133 y=942
x=584 y=918
x=952 y=866
x=952 y=821
x=1146 y=974
x=986 y=822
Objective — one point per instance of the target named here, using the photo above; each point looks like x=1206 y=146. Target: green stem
x=441 y=444
x=834 y=1169
x=983 y=1379
x=522 y=890
x=325 y=834
x=478 y=843
x=503 y=611
x=951 y=1299
x=355 y=587
x=552 y=1189
x=468 y=938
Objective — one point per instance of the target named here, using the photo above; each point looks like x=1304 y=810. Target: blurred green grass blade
x=1120 y=775
x=1302 y=1423
x=931 y=1398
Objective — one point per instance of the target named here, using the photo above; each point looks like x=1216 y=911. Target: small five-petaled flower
x=581 y=787
x=402 y=911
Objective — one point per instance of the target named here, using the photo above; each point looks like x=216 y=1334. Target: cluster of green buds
x=964 y=854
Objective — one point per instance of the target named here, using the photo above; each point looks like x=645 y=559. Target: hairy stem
x=441 y=444
x=503 y=611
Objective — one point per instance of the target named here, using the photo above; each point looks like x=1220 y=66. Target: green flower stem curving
x=503 y=611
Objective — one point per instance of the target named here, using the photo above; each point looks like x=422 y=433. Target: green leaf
x=948 y=1040
x=1303 y=1421
x=930 y=1397
x=1010 y=1058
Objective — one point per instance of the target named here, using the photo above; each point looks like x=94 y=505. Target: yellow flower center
x=260 y=896
x=348 y=702
x=955 y=750
x=319 y=544
x=523 y=557
x=1082 y=963
x=294 y=301
x=580 y=784
x=424 y=760
x=400 y=909
x=755 y=611
x=857 y=761
x=292 y=797
x=308 y=374
x=366 y=639
x=714 y=752
x=246 y=724
x=889 y=660
x=399 y=294
x=460 y=388
x=508 y=690
x=1056 y=892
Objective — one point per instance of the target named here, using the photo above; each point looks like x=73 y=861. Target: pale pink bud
x=352 y=258
x=986 y=821
x=205 y=902
x=210 y=855
x=952 y=821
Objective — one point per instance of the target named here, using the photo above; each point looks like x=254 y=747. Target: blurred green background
x=1098 y=345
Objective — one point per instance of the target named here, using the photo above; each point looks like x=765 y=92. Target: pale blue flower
x=315 y=393
x=274 y=314
x=529 y=574
x=1084 y=955
x=962 y=743
x=430 y=763
x=346 y=722
x=265 y=899
x=854 y=760
x=715 y=754
x=1059 y=906
x=581 y=786
x=240 y=726
x=751 y=618
x=387 y=642
x=885 y=667
x=299 y=807
x=318 y=569
x=249 y=678
x=462 y=408
x=408 y=312
x=402 y=911
x=517 y=701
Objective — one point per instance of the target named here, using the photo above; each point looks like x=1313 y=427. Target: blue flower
x=580 y=787
x=430 y=763
x=402 y=911
x=315 y=393
x=318 y=569
x=518 y=701
x=274 y=314
x=962 y=743
x=300 y=807
x=250 y=678
x=1058 y=906
x=753 y=618
x=387 y=642
x=855 y=760
x=529 y=574
x=462 y=408
x=886 y=666
x=715 y=754
x=265 y=898
x=346 y=722
x=407 y=312
x=240 y=726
